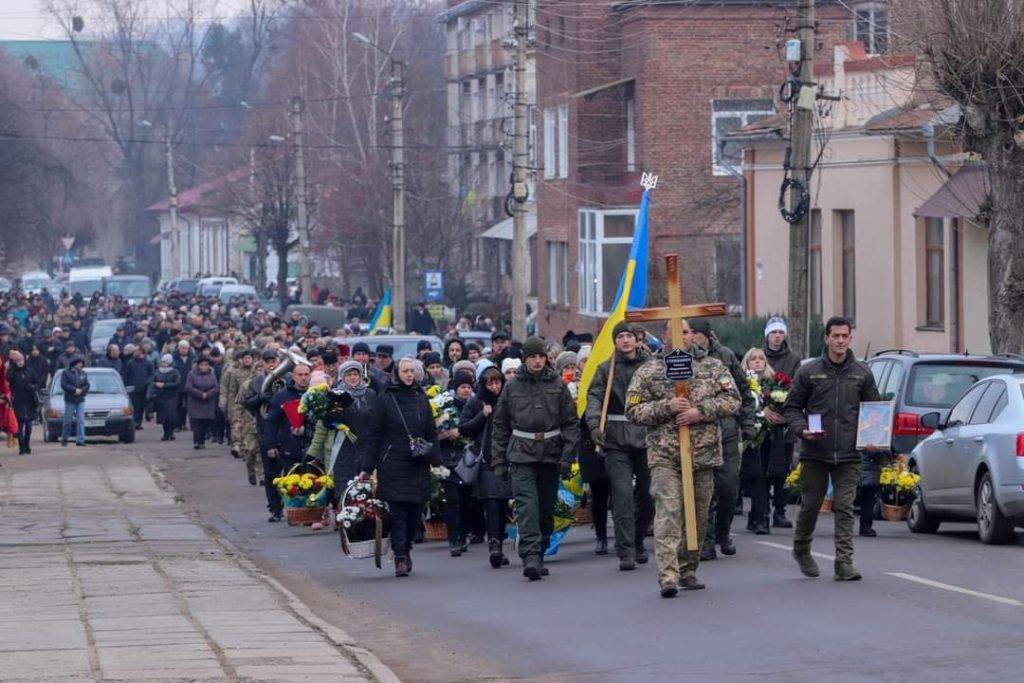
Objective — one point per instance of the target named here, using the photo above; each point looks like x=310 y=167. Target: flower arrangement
x=304 y=490
x=444 y=410
x=770 y=393
x=315 y=402
x=360 y=511
x=793 y=481
x=898 y=486
x=435 y=508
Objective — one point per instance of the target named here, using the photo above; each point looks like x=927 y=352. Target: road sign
x=433 y=285
x=68 y=241
x=679 y=366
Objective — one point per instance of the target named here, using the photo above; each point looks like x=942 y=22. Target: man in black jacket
x=75 y=385
x=420 y=320
x=284 y=442
x=535 y=435
x=138 y=373
x=727 y=475
x=829 y=390
x=253 y=400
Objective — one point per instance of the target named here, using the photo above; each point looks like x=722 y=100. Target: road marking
x=957 y=589
x=823 y=556
x=918 y=579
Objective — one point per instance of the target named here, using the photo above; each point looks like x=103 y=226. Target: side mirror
x=932 y=421
x=130 y=389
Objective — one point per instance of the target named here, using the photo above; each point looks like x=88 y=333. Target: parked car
x=972 y=465
x=33 y=282
x=404 y=344
x=478 y=337
x=228 y=292
x=920 y=383
x=5 y=285
x=108 y=410
x=329 y=318
x=208 y=286
x=134 y=288
x=186 y=287
x=102 y=331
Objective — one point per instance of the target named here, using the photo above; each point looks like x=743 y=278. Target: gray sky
x=26 y=20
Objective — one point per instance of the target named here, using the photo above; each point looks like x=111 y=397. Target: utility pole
x=301 y=210
x=520 y=161
x=172 y=192
x=398 y=198
x=800 y=171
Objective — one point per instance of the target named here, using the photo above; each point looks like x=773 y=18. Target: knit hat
x=564 y=360
x=166 y=359
x=776 y=324
x=463 y=366
x=623 y=327
x=534 y=346
x=583 y=354
x=360 y=347
x=482 y=365
x=701 y=325
x=350 y=365
x=510 y=364
x=268 y=354
x=461 y=378
x=423 y=345
x=432 y=358
x=385 y=350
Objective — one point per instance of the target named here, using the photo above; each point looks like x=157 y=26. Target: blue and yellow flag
x=632 y=293
x=382 y=316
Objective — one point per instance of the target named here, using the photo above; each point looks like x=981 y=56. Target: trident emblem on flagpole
x=648 y=181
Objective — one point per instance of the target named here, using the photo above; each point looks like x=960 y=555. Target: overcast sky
x=26 y=20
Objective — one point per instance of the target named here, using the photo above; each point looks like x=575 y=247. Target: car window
x=880 y=369
x=1000 y=406
x=940 y=385
x=988 y=401
x=961 y=412
x=99 y=383
x=892 y=382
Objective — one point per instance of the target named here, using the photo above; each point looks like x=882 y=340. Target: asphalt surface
x=940 y=607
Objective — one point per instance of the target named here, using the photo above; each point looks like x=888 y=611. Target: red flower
x=784 y=380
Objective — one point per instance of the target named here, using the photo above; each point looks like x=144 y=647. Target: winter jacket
x=835 y=391
x=277 y=430
x=108 y=362
x=783 y=360
x=475 y=425
x=535 y=404
x=401 y=478
x=25 y=384
x=617 y=432
x=358 y=418
x=165 y=398
x=183 y=364
x=138 y=373
x=202 y=390
x=72 y=379
x=743 y=421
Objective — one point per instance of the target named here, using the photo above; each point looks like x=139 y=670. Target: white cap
x=510 y=364
x=776 y=324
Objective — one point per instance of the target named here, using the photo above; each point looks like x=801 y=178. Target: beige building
x=895 y=244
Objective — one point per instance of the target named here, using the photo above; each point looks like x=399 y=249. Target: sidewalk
x=104 y=577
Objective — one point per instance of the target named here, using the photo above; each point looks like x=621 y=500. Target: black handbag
x=468 y=466
x=419 y=448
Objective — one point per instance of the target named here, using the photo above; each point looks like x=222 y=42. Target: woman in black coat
x=401 y=414
x=493 y=491
x=24 y=385
x=165 y=386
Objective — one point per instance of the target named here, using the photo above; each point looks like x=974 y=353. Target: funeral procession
x=511 y=340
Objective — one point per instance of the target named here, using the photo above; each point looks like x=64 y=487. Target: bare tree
x=975 y=53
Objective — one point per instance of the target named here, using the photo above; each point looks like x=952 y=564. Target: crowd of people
x=229 y=372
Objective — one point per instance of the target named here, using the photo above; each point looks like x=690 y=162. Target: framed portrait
x=874 y=425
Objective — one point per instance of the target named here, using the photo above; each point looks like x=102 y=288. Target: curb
x=338 y=637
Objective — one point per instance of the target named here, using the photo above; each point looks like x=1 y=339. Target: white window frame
x=549 y=143
x=631 y=135
x=558 y=272
x=874 y=10
x=563 y=141
x=590 y=257
x=746 y=117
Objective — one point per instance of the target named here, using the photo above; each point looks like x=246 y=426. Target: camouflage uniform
x=232 y=379
x=712 y=392
x=243 y=428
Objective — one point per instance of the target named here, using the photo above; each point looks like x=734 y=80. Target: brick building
x=627 y=87
x=480 y=86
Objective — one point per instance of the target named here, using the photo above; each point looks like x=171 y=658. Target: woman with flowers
x=447 y=407
x=492 y=490
x=766 y=460
x=401 y=444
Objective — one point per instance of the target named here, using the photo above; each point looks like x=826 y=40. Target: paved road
x=930 y=608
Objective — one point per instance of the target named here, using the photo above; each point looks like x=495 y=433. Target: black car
x=919 y=383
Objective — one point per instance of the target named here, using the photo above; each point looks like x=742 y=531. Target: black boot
x=779 y=520
x=454 y=549
x=601 y=547
x=494 y=546
x=531 y=568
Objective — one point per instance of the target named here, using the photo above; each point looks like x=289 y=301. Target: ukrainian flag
x=632 y=293
x=382 y=316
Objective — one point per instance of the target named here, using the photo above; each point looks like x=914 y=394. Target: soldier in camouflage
x=651 y=402
x=238 y=374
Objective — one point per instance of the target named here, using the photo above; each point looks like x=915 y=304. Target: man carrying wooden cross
x=652 y=401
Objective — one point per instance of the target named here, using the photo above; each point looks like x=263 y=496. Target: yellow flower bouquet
x=898 y=485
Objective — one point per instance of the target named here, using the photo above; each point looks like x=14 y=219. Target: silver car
x=972 y=465
x=108 y=409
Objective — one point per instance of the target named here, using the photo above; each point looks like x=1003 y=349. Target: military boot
x=531 y=567
x=627 y=562
x=707 y=552
x=845 y=571
x=808 y=567
x=494 y=547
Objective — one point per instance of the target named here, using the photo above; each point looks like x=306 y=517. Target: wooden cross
x=674 y=313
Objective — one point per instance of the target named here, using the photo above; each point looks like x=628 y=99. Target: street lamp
x=397 y=186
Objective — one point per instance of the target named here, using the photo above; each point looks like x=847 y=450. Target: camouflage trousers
x=674 y=561
x=243 y=429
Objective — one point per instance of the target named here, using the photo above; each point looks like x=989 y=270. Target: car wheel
x=919 y=521
x=993 y=527
x=128 y=436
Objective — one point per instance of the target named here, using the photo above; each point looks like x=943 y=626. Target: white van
x=87 y=280
x=208 y=286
